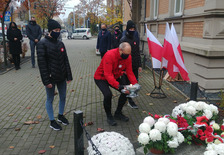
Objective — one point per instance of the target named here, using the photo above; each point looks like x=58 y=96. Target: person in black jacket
x=14 y=36
x=103 y=40
x=115 y=39
x=135 y=53
x=34 y=33
x=54 y=70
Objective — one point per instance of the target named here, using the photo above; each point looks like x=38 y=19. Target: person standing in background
x=115 y=39
x=34 y=33
x=103 y=40
x=135 y=53
x=14 y=36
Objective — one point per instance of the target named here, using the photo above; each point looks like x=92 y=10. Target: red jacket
x=112 y=66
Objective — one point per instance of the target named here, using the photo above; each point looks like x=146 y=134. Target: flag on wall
x=155 y=49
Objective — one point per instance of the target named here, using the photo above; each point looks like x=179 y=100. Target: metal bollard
x=194 y=90
x=78 y=133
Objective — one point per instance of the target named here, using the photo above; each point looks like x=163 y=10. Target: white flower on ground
x=150 y=120
x=183 y=106
x=173 y=143
x=210 y=146
x=177 y=111
x=206 y=107
x=214 y=109
x=143 y=138
x=164 y=120
x=161 y=126
x=220 y=149
x=144 y=128
x=191 y=110
x=215 y=126
x=172 y=129
x=217 y=141
x=155 y=135
x=180 y=137
x=191 y=103
x=210 y=152
x=207 y=113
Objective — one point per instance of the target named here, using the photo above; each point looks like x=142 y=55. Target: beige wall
x=126 y=13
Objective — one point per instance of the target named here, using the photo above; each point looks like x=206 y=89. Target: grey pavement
x=22 y=99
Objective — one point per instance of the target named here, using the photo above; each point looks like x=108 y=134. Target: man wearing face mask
x=54 y=70
x=103 y=40
x=110 y=73
x=34 y=33
x=115 y=39
x=135 y=53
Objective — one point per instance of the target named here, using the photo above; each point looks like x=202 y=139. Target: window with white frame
x=155 y=14
x=178 y=7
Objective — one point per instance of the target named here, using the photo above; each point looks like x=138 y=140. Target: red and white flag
x=155 y=49
x=168 y=54
x=178 y=55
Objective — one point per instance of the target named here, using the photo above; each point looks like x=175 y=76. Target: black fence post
x=78 y=133
x=194 y=90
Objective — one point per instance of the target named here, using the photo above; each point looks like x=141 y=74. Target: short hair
x=123 y=45
x=104 y=24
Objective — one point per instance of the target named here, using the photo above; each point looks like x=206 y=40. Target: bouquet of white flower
x=160 y=135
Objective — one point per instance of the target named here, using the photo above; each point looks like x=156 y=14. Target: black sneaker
x=63 y=120
x=111 y=121
x=132 y=104
x=120 y=116
x=54 y=125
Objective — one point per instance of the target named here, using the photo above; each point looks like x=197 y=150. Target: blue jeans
x=32 y=48
x=50 y=97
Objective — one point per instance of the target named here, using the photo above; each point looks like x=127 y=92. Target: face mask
x=131 y=33
x=103 y=29
x=55 y=35
x=124 y=56
x=117 y=30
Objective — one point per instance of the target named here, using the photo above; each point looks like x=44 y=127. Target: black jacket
x=14 y=46
x=115 y=40
x=53 y=61
x=103 y=41
x=33 y=31
x=135 y=53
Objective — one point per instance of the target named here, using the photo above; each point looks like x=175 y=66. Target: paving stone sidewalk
x=22 y=98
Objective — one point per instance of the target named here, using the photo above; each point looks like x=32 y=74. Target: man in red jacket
x=110 y=73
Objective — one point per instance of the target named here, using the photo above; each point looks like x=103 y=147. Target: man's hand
x=68 y=81
x=49 y=86
x=97 y=50
x=140 y=69
x=36 y=40
x=15 y=39
x=125 y=91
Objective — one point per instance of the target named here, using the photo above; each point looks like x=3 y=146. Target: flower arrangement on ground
x=161 y=135
x=111 y=143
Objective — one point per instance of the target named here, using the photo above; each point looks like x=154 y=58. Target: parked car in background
x=83 y=33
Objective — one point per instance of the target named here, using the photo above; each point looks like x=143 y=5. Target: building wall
x=200 y=29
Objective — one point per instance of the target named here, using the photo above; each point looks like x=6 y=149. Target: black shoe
x=19 y=67
x=111 y=121
x=63 y=120
x=120 y=116
x=33 y=66
x=132 y=104
x=54 y=125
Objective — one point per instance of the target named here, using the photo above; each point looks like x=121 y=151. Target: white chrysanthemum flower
x=219 y=148
x=161 y=126
x=172 y=129
x=164 y=120
x=214 y=109
x=143 y=138
x=210 y=146
x=173 y=143
x=215 y=126
x=191 y=103
x=155 y=135
x=150 y=120
x=191 y=110
x=207 y=113
x=180 y=137
x=183 y=106
x=144 y=128
x=206 y=107
x=177 y=111
x=210 y=152
x=217 y=141
x=199 y=106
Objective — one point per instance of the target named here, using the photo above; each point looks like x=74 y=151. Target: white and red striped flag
x=178 y=55
x=155 y=49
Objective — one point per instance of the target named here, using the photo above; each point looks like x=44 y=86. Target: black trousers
x=104 y=88
x=16 y=59
x=102 y=54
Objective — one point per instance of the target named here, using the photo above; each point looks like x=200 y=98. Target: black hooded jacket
x=135 y=53
x=53 y=61
x=14 y=45
x=33 y=31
